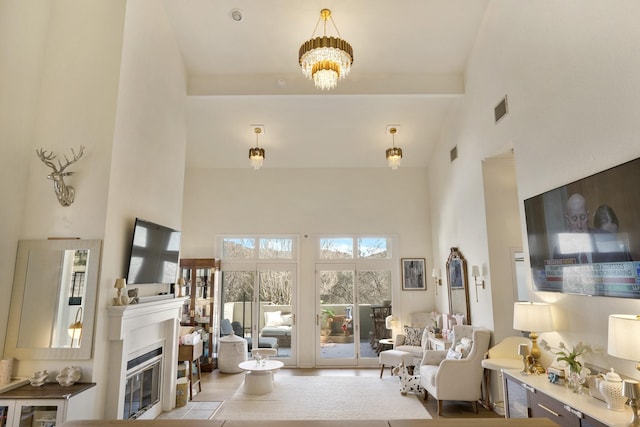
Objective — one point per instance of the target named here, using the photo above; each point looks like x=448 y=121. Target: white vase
x=611 y=389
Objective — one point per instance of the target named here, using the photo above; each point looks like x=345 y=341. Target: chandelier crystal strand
x=325 y=60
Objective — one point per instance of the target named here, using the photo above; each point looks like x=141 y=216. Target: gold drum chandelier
x=256 y=154
x=325 y=59
x=394 y=154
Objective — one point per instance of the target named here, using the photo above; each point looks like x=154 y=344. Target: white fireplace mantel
x=134 y=329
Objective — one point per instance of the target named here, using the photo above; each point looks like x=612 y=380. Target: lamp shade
x=120 y=283
x=390 y=321
x=532 y=316
x=624 y=330
x=475 y=271
x=523 y=349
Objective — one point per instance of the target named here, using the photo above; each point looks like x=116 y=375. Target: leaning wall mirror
x=457 y=285
x=53 y=300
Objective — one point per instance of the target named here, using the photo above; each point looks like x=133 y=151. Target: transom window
x=355 y=248
x=258 y=248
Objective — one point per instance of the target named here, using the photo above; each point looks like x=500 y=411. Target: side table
x=259 y=378
x=192 y=354
x=384 y=344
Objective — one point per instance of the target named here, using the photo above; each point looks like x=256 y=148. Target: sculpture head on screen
x=53 y=300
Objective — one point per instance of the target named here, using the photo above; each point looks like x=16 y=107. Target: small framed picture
x=413 y=274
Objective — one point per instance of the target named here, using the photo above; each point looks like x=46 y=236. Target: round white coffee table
x=259 y=378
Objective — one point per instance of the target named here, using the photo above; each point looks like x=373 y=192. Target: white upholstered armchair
x=456 y=379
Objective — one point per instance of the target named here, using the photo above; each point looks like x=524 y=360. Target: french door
x=258 y=300
x=346 y=328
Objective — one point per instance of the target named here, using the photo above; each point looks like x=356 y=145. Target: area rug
x=325 y=397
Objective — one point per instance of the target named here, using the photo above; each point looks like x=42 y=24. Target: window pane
x=237 y=297
x=275 y=287
x=336 y=248
x=276 y=249
x=374 y=287
x=238 y=248
x=373 y=247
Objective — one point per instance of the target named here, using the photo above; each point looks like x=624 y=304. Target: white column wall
x=570 y=69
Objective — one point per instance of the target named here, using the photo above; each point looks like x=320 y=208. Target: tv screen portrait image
x=584 y=237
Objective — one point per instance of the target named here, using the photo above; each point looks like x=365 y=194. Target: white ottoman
x=393 y=358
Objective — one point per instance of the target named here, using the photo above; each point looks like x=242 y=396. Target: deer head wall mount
x=65 y=193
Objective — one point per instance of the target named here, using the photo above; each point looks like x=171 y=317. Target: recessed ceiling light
x=236 y=15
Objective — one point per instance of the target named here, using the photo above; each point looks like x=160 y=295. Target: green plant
x=568 y=355
x=328 y=313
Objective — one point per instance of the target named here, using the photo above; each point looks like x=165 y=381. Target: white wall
x=307 y=202
x=570 y=70
x=72 y=82
x=22 y=34
x=147 y=160
x=69 y=100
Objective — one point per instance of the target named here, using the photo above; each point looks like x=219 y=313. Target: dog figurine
x=409 y=383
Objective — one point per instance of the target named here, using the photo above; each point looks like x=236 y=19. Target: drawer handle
x=549 y=410
x=574 y=411
x=529 y=388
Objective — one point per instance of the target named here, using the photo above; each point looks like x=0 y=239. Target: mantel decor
x=413 y=278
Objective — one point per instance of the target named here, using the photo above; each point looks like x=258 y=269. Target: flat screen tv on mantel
x=155 y=251
x=584 y=237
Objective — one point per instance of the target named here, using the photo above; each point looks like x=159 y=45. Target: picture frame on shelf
x=413 y=274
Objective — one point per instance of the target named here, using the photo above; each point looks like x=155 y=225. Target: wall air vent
x=501 y=110
x=453 y=154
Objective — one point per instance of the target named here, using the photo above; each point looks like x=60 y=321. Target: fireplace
x=142 y=389
x=143 y=359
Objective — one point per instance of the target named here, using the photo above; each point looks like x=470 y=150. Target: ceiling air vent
x=453 y=154
x=501 y=109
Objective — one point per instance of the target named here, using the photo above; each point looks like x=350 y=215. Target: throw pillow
x=287 y=319
x=464 y=346
x=412 y=336
x=452 y=354
x=273 y=318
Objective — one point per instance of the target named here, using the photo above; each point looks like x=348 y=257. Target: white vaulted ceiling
x=408 y=70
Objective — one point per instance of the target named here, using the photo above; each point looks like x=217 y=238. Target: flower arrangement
x=568 y=356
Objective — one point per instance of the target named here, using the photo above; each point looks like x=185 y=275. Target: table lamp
x=622 y=343
x=119 y=285
x=533 y=317
x=75 y=329
x=523 y=350
x=390 y=322
x=180 y=286
x=631 y=390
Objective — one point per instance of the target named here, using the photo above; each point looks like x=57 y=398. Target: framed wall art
x=413 y=278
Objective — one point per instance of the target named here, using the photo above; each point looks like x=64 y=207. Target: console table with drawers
x=533 y=396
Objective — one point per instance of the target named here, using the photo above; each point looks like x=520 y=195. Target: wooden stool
x=192 y=354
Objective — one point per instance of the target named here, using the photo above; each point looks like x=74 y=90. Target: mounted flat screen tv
x=155 y=251
x=584 y=237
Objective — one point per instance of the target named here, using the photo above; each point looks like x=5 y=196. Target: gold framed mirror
x=53 y=300
x=458 y=284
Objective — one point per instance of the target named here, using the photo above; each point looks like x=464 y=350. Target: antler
x=76 y=157
x=47 y=159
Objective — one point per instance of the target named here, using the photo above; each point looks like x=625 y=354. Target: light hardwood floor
x=217 y=386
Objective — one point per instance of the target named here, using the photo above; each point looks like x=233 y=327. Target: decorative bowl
x=69 y=375
x=38 y=378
